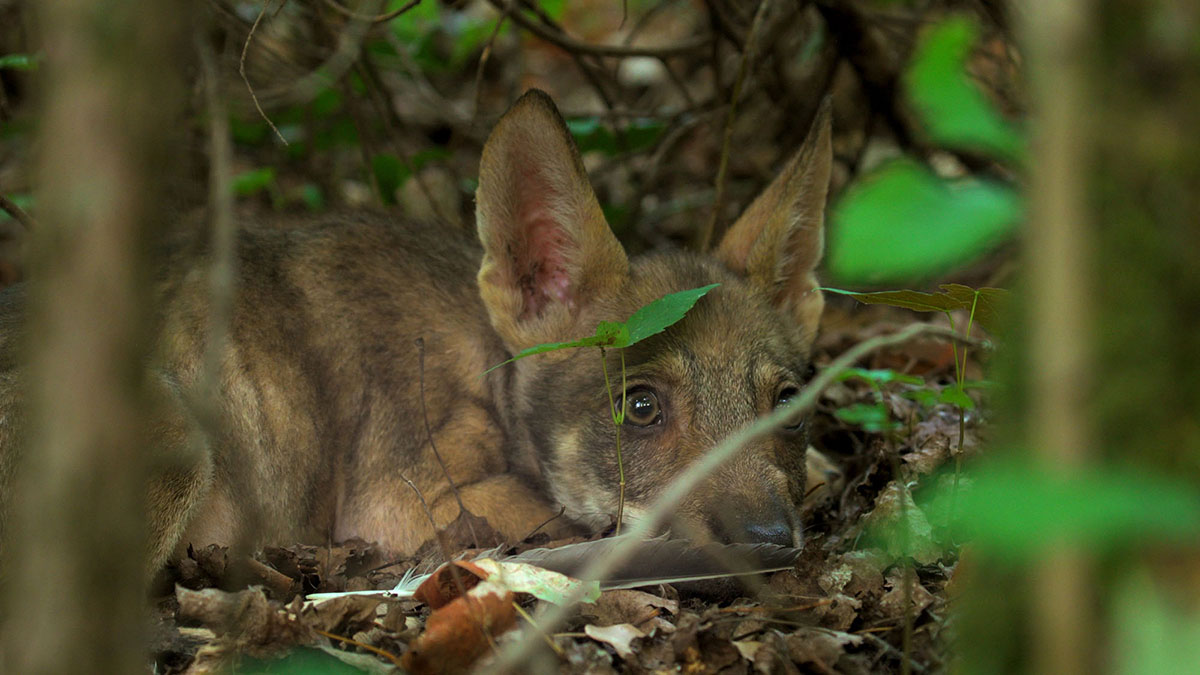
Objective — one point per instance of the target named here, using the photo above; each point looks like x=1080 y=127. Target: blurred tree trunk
x=77 y=589
x=1108 y=366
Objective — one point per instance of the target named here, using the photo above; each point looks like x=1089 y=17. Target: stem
x=618 y=419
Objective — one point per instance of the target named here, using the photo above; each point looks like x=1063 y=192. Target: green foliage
x=254 y=181
x=1017 y=509
x=591 y=135
x=438 y=38
x=27 y=62
x=390 y=173
x=955 y=112
x=872 y=417
x=302 y=661
x=904 y=223
x=987 y=305
x=650 y=320
x=1151 y=632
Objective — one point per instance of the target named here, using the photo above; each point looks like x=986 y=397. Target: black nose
x=772 y=532
x=756 y=528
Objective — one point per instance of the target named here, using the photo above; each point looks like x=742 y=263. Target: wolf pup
x=321 y=434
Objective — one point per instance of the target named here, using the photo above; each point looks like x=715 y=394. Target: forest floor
x=857 y=601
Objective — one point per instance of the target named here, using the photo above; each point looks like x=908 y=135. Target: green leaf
x=989 y=303
x=593 y=136
x=302 y=661
x=882 y=376
x=253 y=181
x=955 y=396
x=20 y=61
x=926 y=397
x=872 y=417
x=390 y=172
x=955 y=112
x=1152 y=632
x=312 y=196
x=1017 y=509
x=657 y=316
x=649 y=320
x=903 y=223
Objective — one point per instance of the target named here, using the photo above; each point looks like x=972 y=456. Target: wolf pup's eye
x=785 y=396
x=641 y=408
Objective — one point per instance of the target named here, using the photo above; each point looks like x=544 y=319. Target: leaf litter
x=873 y=559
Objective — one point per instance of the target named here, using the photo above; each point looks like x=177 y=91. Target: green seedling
x=651 y=319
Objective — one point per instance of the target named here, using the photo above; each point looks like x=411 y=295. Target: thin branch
x=242 y=69
x=429 y=434
x=710 y=228
x=682 y=486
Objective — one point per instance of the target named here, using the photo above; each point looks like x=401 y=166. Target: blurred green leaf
x=1017 y=509
x=904 y=223
x=872 y=417
x=302 y=661
x=327 y=102
x=553 y=8
x=591 y=135
x=248 y=132
x=955 y=396
x=253 y=181
x=989 y=304
x=1152 y=633
x=20 y=61
x=25 y=202
x=954 y=110
x=312 y=196
x=390 y=173
x=899 y=527
x=880 y=376
x=926 y=397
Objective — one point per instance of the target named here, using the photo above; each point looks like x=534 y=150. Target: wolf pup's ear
x=546 y=245
x=778 y=241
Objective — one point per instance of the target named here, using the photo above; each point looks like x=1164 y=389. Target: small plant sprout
x=651 y=319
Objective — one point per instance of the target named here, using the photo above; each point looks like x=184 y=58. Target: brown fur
x=321 y=421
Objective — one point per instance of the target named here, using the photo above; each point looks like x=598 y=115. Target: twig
x=18 y=213
x=429 y=434
x=701 y=469
x=379 y=18
x=710 y=228
x=546 y=522
x=242 y=69
x=484 y=56
x=374 y=650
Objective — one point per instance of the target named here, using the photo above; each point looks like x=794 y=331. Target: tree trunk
x=77 y=587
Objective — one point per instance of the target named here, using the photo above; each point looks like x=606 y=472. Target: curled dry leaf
x=449 y=582
x=461 y=631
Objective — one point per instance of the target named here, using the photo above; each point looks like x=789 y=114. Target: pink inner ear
x=542 y=272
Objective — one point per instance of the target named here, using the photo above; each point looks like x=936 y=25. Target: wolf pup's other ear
x=778 y=241
x=547 y=247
